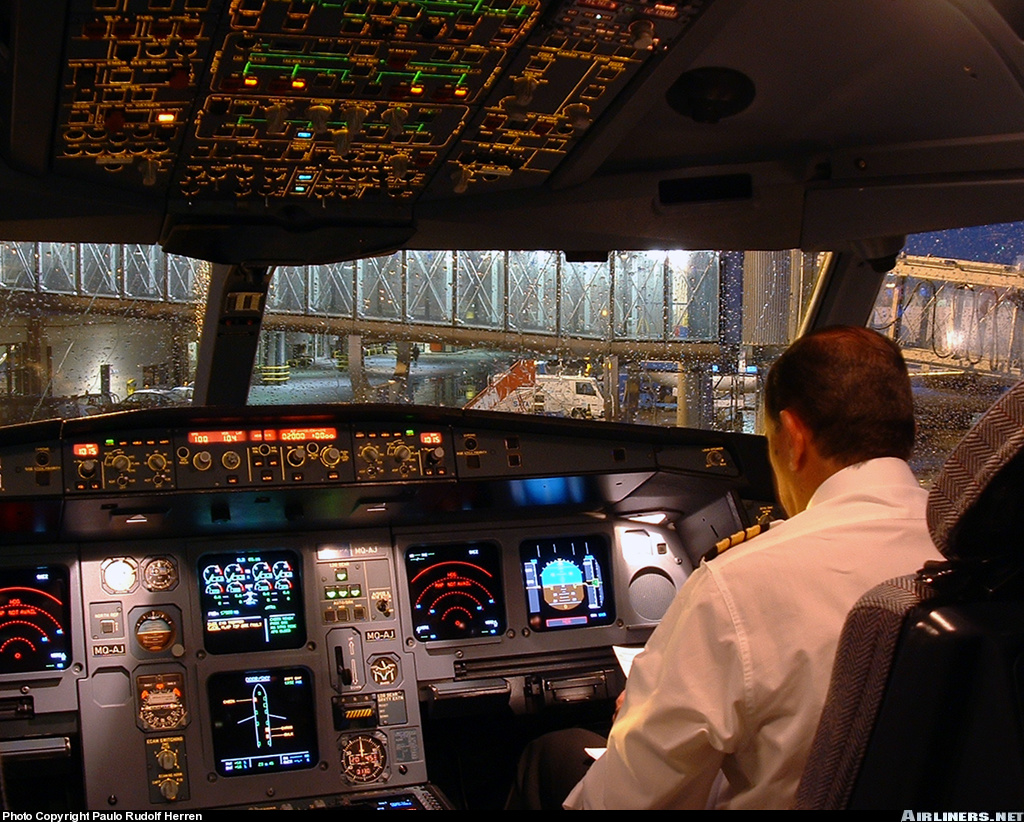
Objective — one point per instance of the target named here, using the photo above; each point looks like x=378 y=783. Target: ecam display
x=251 y=601
x=263 y=721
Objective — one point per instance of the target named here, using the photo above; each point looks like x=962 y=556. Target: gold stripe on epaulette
x=732 y=541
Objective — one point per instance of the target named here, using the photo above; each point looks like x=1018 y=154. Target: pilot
x=721 y=706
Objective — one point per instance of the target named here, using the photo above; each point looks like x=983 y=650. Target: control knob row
x=371 y=454
x=203 y=460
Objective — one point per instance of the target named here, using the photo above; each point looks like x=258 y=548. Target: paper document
x=625 y=656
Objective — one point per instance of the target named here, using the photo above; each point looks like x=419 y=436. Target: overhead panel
x=341 y=109
x=131 y=79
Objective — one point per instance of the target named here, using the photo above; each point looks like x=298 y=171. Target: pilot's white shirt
x=735 y=676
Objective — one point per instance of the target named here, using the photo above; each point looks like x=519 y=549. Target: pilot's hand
x=618 y=704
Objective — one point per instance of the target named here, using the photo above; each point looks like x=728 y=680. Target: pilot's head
x=843 y=392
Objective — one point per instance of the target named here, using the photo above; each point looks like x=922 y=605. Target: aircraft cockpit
x=318 y=603
x=375 y=372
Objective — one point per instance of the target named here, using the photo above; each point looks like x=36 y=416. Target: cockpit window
x=953 y=303
x=670 y=338
x=86 y=326
x=653 y=337
x=619 y=338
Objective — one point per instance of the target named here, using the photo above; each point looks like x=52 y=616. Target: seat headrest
x=977 y=501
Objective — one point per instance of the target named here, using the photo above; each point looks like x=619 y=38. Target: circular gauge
x=161 y=701
x=159 y=574
x=213 y=574
x=119 y=575
x=154 y=631
x=234 y=571
x=364 y=758
x=261 y=570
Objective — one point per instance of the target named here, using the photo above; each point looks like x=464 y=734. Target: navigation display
x=263 y=721
x=35 y=619
x=251 y=601
x=455 y=591
x=567 y=582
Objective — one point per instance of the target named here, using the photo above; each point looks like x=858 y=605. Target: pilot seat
x=925 y=708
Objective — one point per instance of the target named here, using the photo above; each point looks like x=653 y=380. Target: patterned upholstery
x=859 y=675
x=973 y=514
x=982 y=454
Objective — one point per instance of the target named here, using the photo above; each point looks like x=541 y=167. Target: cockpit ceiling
x=314 y=130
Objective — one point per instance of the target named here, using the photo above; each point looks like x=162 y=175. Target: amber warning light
x=86 y=449
x=208 y=437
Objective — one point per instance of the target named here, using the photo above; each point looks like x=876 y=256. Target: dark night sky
x=1003 y=243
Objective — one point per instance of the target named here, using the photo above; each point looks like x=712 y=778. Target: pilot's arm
x=682 y=712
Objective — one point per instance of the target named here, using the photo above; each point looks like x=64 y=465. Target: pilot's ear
x=797 y=438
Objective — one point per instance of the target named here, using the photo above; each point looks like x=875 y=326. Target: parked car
x=156 y=398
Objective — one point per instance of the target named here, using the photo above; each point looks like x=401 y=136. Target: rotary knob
x=157 y=462
x=331 y=456
x=121 y=463
x=202 y=460
x=169 y=789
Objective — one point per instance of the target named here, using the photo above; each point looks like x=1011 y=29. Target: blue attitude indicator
x=567 y=581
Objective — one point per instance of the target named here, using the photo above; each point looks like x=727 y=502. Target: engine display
x=455 y=591
x=263 y=721
x=251 y=601
x=35 y=619
x=567 y=582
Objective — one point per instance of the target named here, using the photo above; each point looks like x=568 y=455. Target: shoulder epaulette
x=730 y=542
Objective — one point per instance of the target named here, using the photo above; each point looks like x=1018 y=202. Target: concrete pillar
x=403 y=359
x=356 y=371
x=403 y=383
x=692 y=401
x=34 y=361
x=280 y=349
x=611 y=387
